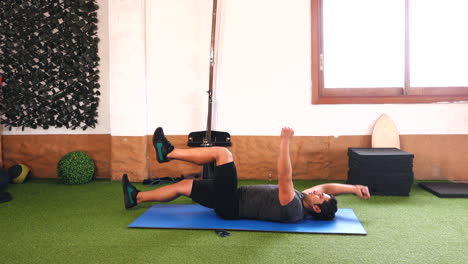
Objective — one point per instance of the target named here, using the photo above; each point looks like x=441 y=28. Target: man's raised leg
x=165 y=152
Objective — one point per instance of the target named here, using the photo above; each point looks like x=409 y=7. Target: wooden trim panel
x=41 y=153
x=437 y=157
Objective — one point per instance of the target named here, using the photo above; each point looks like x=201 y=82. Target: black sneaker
x=161 y=145
x=130 y=192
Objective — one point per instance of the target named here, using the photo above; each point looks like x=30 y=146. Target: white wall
x=178 y=49
x=263 y=74
x=127 y=69
x=264 y=79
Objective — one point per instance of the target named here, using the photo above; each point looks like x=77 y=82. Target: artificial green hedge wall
x=48 y=61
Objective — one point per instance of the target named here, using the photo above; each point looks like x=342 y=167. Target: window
x=389 y=51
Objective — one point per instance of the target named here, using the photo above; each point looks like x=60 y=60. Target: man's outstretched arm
x=285 y=183
x=338 y=188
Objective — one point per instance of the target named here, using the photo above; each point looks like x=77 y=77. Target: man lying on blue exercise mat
x=273 y=202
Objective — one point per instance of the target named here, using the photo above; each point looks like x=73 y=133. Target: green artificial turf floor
x=47 y=222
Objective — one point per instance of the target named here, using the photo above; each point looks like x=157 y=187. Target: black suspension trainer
x=209 y=137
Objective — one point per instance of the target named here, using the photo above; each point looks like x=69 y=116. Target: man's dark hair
x=327 y=209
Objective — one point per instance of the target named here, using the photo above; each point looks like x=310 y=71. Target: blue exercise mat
x=194 y=216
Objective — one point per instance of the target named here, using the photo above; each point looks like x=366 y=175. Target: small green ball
x=76 y=167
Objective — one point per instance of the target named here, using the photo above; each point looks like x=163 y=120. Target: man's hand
x=362 y=191
x=287 y=133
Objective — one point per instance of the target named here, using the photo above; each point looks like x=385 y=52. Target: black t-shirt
x=262 y=202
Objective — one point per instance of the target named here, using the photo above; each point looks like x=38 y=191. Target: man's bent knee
x=185 y=187
x=223 y=156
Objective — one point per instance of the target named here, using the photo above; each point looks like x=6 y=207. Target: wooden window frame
x=390 y=95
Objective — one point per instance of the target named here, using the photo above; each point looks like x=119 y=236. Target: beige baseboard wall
x=437 y=157
x=41 y=153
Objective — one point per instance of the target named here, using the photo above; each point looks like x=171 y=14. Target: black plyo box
x=386 y=171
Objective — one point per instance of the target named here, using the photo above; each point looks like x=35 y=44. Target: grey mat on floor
x=446 y=189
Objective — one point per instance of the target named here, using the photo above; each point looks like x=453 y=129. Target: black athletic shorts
x=219 y=193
